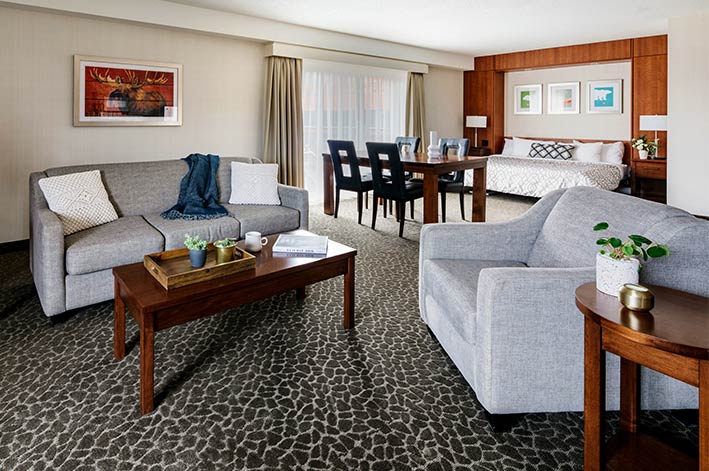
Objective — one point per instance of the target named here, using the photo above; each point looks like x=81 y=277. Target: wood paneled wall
x=484 y=86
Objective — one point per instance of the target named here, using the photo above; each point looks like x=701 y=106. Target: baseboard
x=15 y=246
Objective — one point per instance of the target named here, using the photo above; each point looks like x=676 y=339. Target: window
x=348 y=102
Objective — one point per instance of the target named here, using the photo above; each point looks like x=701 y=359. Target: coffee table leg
x=147 y=340
x=629 y=395
x=119 y=323
x=594 y=404
x=300 y=293
x=349 y=294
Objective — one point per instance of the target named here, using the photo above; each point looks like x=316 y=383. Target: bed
x=528 y=176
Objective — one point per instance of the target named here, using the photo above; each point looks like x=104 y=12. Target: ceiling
x=473 y=27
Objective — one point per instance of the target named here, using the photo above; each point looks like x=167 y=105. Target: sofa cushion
x=119 y=242
x=174 y=230
x=458 y=279
x=265 y=219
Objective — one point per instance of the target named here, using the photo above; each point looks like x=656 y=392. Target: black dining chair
x=355 y=181
x=453 y=182
x=395 y=187
x=412 y=142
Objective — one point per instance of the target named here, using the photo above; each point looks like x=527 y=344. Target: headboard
x=627 y=152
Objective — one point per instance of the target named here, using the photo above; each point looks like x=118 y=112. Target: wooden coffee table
x=673 y=339
x=154 y=308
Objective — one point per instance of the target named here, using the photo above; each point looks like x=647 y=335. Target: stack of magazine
x=301 y=244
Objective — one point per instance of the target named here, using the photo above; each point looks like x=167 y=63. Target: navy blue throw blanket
x=199 y=194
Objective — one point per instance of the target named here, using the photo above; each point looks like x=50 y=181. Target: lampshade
x=653 y=122
x=476 y=121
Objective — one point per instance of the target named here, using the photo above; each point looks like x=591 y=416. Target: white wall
x=223 y=81
x=583 y=125
x=443 y=96
x=688 y=114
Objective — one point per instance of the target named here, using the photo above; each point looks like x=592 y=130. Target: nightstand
x=479 y=151
x=648 y=179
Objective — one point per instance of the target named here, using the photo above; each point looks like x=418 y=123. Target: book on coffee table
x=303 y=244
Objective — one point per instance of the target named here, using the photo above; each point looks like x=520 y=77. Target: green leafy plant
x=635 y=246
x=195 y=242
x=642 y=143
x=225 y=243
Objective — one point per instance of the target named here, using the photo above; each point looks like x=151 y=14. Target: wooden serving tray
x=172 y=268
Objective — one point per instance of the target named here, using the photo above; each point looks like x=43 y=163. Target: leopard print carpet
x=276 y=384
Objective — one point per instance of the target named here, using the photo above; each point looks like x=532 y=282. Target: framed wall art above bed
x=528 y=99
x=605 y=96
x=563 y=98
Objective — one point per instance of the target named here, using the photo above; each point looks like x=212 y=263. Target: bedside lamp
x=654 y=123
x=476 y=122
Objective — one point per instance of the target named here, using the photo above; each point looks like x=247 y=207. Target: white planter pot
x=643 y=154
x=612 y=274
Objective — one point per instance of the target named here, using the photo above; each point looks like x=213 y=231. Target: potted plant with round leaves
x=618 y=261
x=198 y=250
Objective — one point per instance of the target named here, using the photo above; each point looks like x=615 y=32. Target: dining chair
x=411 y=141
x=395 y=188
x=355 y=181
x=453 y=182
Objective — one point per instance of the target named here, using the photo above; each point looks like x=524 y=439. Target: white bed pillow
x=587 y=151
x=254 y=184
x=509 y=148
x=79 y=200
x=612 y=153
x=523 y=146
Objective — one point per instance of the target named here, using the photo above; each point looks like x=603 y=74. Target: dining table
x=431 y=167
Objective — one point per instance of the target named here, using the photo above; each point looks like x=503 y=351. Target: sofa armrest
x=296 y=198
x=48 y=270
x=529 y=339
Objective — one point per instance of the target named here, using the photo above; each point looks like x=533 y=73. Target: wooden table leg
x=147 y=340
x=629 y=395
x=704 y=415
x=349 y=301
x=119 y=323
x=328 y=185
x=479 y=194
x=594 y=396
x=430 y=198
x=300 y=293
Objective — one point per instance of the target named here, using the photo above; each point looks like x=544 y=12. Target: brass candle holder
x=636 y=297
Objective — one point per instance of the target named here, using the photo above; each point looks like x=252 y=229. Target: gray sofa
x=75 y=271
x=499 y=297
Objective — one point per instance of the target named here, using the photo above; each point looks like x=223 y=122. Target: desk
x=431 y=169
x=673 y=339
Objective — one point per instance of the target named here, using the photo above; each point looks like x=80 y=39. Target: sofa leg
x=430 y=332
x=500 y=423
x=63 y=317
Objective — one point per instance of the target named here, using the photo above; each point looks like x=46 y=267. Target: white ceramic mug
x=254 y=242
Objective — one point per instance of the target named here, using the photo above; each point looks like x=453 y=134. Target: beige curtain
x=415 y=112
x=283 y=118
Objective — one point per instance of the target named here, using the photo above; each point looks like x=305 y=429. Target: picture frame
x=528 y=99
x=126 y=92
x=605 y=96
x=563 y=98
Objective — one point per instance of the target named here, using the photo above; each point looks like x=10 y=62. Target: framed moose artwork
x=120 y=92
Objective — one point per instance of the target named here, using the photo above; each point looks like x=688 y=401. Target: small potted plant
x=618 y=261
x=225 y=250
x=198 y=250
x=644 y=147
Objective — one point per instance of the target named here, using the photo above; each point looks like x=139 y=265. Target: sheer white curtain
x=348 y=102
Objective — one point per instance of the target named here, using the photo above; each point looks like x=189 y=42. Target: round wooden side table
x=673 y=339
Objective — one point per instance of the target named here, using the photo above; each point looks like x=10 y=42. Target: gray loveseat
x=499 y=297
x=75 y=271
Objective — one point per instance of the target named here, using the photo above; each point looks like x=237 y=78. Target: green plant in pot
x=225 y=250
x=618 y=261
x=644 y=147
x=198 y=250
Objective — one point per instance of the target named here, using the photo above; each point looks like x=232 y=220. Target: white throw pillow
x=587 y=151
x=79 y=200
x=254 y=184
x=509 y=148
x=612 y=153
x=523 y=146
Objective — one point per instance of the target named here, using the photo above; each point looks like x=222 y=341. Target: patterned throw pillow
x=254 y=184
x=79 y=200
x=551 y=151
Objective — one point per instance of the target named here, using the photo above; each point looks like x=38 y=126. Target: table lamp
x=476 y=122
x=654 y=123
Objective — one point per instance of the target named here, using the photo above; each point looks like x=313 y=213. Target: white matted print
x=528 y=99
x=605 y=96
x=563 y=98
